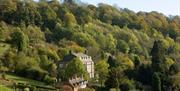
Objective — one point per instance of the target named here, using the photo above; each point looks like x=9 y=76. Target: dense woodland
x=131 y=50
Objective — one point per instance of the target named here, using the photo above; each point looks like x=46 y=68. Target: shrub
x=4 y=76
x=114 y=89
x=36 y=73
x=127 y=85
x=48 y=79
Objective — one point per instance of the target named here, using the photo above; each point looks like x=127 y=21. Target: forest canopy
x=136 y=49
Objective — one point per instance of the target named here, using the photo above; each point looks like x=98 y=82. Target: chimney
x=70 y=52
x=86 y=52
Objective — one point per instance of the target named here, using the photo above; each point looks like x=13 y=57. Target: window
x=60 y=65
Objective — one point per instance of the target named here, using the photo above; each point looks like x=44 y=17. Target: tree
x=112 y=62
x=111 y=43
x=27 y=13
x=70 y=1
x=70 y=20
x=7 y=7
x=146 y=78
x=122 y=46
x=137 y=61
x=102 y=70
x=20 y=40
x=75 y=68
x=48 y=15
x=35 y=34
x=115 y=77
x=84 y=39
x=174 y=69
x=83 y=15
x=127 y=85
x=158 y=53
x=156 y=82
x=52 y=70
x=159 y=63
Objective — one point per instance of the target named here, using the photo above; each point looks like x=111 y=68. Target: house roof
x=79 y=54
x=71 y=55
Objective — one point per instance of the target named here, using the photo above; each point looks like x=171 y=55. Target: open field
x=4 y=88
x=7 y=85
x=18 y=79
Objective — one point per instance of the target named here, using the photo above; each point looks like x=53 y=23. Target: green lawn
x=4 y=88
x=18 y=79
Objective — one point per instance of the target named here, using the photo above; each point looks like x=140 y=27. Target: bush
x=36 y=73
x=127 y=85
x=114 y=89
x=33 y=88
x=49 y=80
x=3 y=76
x=26 y=89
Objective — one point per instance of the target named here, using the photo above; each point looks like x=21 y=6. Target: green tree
x=35 y=34
x=48 y=15
x=102 y=70
x=70 y=1
x=7 y=7
x=27 y=13
x=70 y=20
x=83 y=15
x=115 y=77
x=127 y=85
x=158 y=53
x=156 y=82
x=112 y=62
x=75 y=68
x=122 y=46
x=19 y=40
x=137 y=61
x=84 y=39
x=174 y=69
x=111 y=43
x=52 y=70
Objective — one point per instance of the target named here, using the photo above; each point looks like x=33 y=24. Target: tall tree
x=102 y=70
x=70 y=20
x=156 y=82
x=114 y=78
x=20 y=40
x=69 y=1
x=158 y=53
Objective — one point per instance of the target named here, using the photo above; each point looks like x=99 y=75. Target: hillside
x=141 y=49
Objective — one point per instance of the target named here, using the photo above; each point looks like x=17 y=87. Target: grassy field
x=18 y=79
x=6 y=85
x=4 y=88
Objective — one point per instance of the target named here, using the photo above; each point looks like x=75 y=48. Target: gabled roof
x=79 y=54
x=71 y=55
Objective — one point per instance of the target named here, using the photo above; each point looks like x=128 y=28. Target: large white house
x=85 y=59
